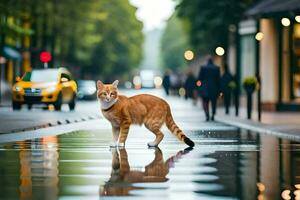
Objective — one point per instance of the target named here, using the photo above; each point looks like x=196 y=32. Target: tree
x=119 y=51
x=208 y=21
x=174 y=43
x=93 y=36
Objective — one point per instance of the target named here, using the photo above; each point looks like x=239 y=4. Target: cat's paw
x=152 y=144
x=113 y=145
x=121 y=145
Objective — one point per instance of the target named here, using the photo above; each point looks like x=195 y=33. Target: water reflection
x=224 y=165
x=123 y=177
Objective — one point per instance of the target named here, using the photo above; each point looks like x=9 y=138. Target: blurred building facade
x=266 y=43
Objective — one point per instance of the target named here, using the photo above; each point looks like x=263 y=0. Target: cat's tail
x=172 y=126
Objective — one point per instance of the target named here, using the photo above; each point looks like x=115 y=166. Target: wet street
x=226 y=163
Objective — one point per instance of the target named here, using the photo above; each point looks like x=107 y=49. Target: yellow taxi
x=45 y=86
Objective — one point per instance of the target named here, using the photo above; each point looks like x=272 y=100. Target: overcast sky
x=153 y=13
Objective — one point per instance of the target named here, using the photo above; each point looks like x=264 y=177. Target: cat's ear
x=115 y=83
x=100 y=84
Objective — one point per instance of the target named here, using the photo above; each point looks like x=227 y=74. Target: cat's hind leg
x=158 y=138
x=155 y=128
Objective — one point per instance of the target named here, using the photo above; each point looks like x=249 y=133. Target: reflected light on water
x=79 y=164
x=261 y=187
x=286 y=195
x=260 y=197
x=297 y=194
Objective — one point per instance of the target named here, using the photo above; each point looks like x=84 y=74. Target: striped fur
x=172 y=126
x=148 y=110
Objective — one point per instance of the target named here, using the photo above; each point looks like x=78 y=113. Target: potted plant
x=249 y=84
x=232 y=85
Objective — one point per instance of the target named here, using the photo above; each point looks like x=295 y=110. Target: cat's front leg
x=116 y=132
x=123 y=133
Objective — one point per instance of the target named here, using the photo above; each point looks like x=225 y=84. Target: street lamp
x=259 y=36
x=220 y=51
x=285 y=21
x=188 y=55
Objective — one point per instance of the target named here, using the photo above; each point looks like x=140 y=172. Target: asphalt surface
x=74 y=161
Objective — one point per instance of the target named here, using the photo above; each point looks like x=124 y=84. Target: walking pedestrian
x=227 y=86
x=209 y=76
x=190 y=85
x=166 y=82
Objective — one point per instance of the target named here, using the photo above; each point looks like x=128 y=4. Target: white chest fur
x=105 y=105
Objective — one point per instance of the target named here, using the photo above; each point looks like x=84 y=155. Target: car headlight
x=51 y=89
x=18 y=88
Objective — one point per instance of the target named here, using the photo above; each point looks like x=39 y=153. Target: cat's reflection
x=123 y=177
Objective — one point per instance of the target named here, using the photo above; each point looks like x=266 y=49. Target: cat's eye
x=103 y=94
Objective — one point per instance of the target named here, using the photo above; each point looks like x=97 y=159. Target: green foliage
x=99 y=37
x=174 y=43
x=120 y=49
x=232 y=85
x=209 y=21
x=250 y=81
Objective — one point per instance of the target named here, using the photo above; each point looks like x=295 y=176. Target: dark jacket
x=190 y=85
x=166 y=81
x=209 y=76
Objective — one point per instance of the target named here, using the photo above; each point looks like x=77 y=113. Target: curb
x=259 y=128
x=48 y=131
x=55 y=123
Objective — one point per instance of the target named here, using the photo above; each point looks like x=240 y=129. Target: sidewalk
x=282 y=124
x=25 y=120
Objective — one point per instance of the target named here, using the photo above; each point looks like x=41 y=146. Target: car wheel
x=16 y=105
x=72 y=103
x=57 y=104
x=29 y=106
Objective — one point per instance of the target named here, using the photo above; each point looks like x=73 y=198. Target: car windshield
x=86 y=83
x=49 y=75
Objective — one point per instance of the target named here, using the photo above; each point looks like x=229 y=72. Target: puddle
x=225 y=164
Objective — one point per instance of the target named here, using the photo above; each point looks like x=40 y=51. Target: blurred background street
x=240 y=57
x=74 y=161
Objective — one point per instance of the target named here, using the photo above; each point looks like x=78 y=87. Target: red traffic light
x=45 y=56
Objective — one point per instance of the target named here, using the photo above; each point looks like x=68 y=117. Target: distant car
x=147 y=78
x=45 y=86
x=86 y=89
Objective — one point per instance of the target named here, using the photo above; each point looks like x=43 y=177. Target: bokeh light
x=220 y=51
x=158 y=81
x=189 y=55
x=285 y=21
x=137 y=82
x=259 y=36
x=182 y=92
x=128 y=85
x=198 y=83
x=297 y=18
x=286 y=195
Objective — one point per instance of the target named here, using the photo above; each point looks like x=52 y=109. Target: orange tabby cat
x=145 y=109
